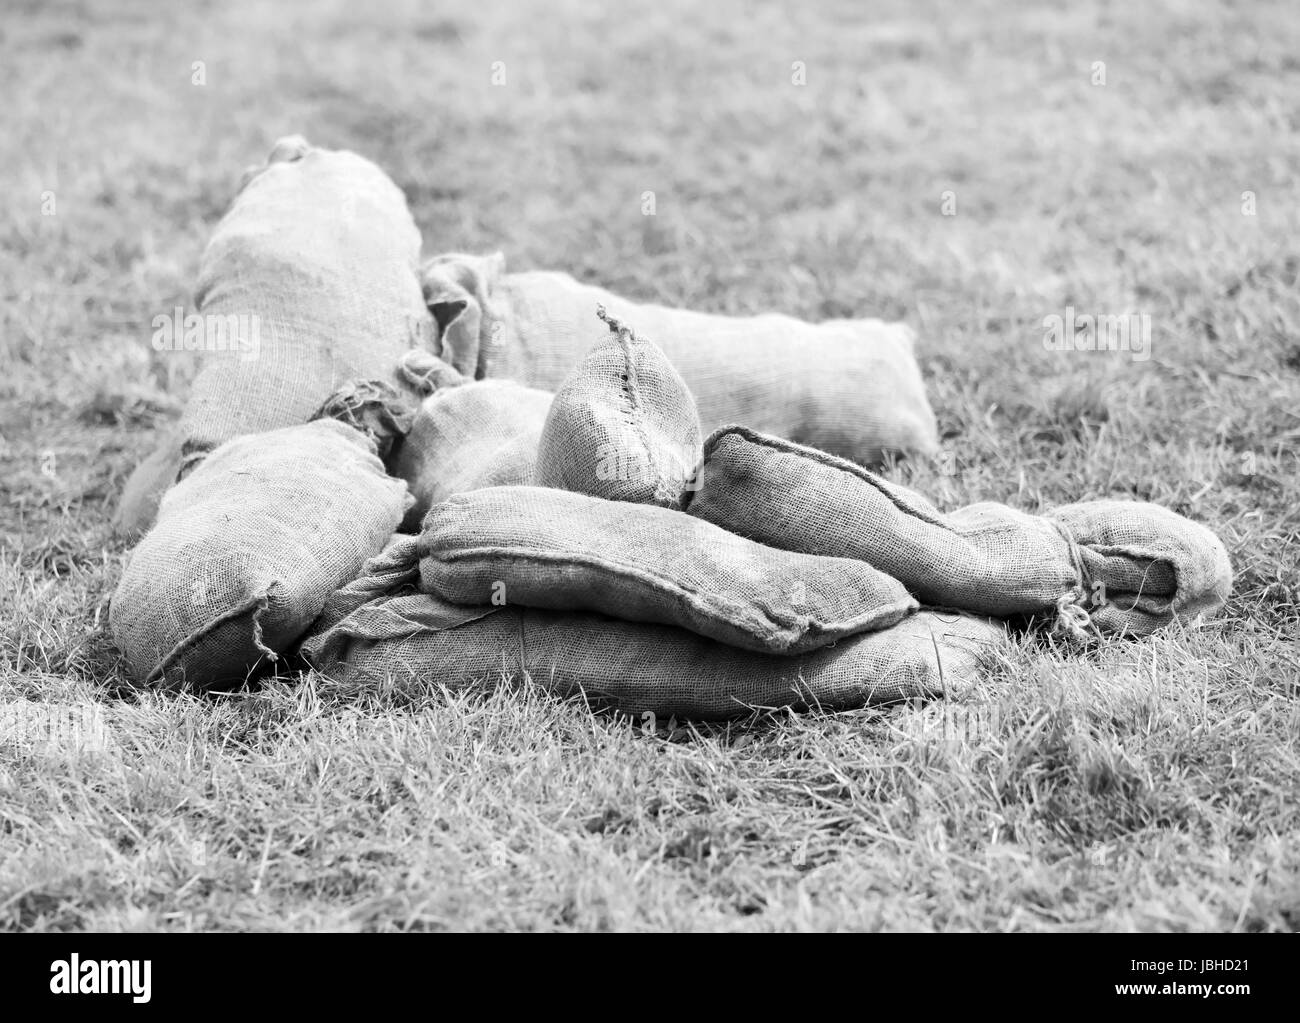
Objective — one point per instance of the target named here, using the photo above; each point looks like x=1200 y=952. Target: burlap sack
x=145 y=487
x=394 y=571
x=566 y=551
x=478 y=434
x=1126 y=566
x=321 y=249
x=851 y=387
x=623 y=426
x=309 y=281
x=639 y=667
x=247 y=549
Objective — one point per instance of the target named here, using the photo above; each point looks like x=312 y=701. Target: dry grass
x=1144 y=785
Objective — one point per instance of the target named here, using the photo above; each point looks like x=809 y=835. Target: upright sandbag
x=309 y=281
x=639 y=667
x=1123 y=565
x=478 y=434
x=246 y=550
x=851 y=387
x=623 y=425
x=565 y=551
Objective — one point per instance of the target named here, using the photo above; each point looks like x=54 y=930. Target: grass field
x=972 y=168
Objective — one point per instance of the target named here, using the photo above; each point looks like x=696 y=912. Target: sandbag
x=567 y=551
x=309 y=281
x=1122 y=566
x=374 y=632
x=138 y=506
x=321 y=248
x=851 y=387
x=623 y=425
x=478 y=434
x=247 y=549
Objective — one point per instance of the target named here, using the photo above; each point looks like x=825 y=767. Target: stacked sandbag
x=374 y=632
x=564 y=551
x=623 y=425
x=851 y=387
x=1123 y=566
x=466 y=435
x=308 y=282
x=247 y=549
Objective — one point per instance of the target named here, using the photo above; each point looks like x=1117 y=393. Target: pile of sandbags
x=677 y=599
x=308 y=282
x=571 y=522
x=598 y=582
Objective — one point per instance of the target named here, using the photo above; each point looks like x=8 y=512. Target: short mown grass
x=1142 y=785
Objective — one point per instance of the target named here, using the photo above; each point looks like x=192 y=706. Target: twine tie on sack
x=1072 y=618
x=372 y=408
x=616 y=326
